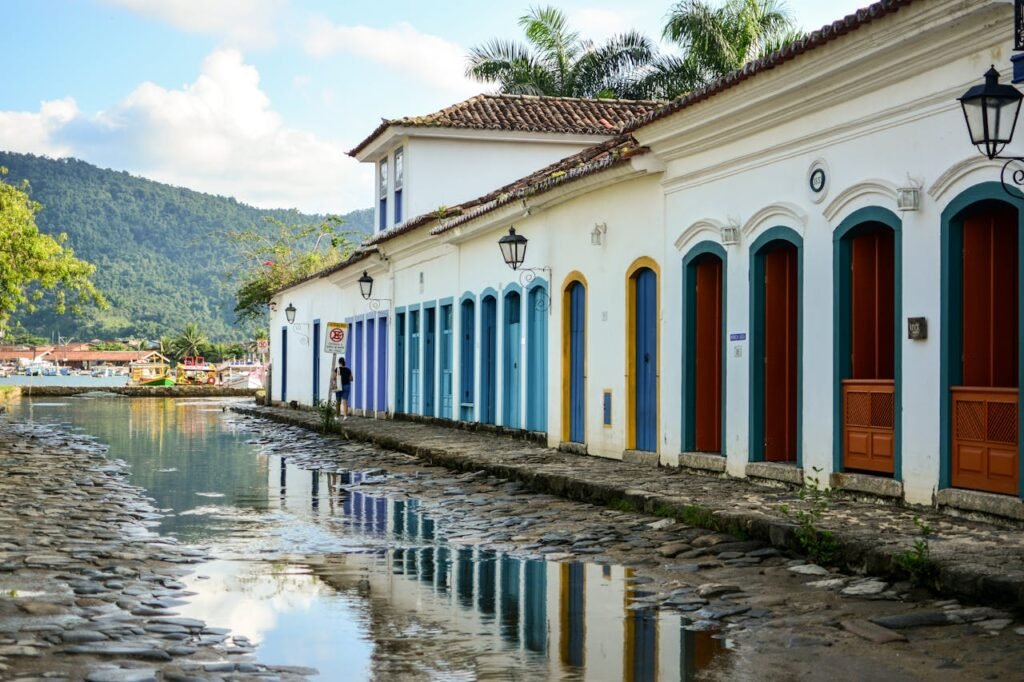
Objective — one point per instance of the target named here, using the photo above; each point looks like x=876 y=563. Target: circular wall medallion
x=817 y=180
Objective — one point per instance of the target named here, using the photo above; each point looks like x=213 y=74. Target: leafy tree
x=160 y=251
x=556 y=61
x=189 y=341
x=32 y=263
x=270 y=262
x=716 y=40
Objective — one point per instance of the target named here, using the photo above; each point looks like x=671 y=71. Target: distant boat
x=240 y=375
x=195 y=370
x=150 y=374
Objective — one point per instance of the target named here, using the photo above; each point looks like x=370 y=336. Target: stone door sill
x=702 y=461
x=775 y=473
x=989 y=504
x=878 y=486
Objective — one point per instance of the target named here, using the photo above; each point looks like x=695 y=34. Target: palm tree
x=190 y=341
x=556 y=61
x=717 y=40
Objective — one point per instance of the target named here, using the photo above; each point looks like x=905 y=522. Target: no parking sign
x=334 y=340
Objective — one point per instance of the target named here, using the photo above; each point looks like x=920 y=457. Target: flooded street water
x=319 y=568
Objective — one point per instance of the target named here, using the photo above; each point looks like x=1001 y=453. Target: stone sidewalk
x=975 y=560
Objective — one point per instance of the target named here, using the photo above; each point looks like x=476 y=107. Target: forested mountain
x=160 y=254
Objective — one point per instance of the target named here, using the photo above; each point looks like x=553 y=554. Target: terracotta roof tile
x=527 y=113
x=826 y=34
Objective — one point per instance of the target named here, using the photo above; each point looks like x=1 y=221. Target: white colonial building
x=805 y=266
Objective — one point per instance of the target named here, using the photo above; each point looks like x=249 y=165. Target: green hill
x=159 y=254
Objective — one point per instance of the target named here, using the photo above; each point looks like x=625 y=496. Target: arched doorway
x=981 y=261
x=574 y=358
x=537 y=311
x=775 y=346
x=703 y=340
x=867 y=347
x=642 y=356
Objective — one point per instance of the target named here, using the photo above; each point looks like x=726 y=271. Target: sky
x=261 y=99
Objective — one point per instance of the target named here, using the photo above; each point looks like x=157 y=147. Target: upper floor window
x=399 y=173
x=382 y=193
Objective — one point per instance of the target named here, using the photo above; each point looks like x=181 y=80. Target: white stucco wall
x=877 y=111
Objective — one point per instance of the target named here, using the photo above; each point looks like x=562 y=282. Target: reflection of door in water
x=577 y=360
x=707 y=336
x=488 y=360
x=985 y=405
x=646 y=359
x=510 y=366
x=430 y=329
x=780 y=352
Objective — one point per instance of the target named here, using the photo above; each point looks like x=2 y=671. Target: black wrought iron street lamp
x=513 y=248
x=513 y=251
x=289 y=313
x=366 y=286
x=991 y=110
x=366 y=291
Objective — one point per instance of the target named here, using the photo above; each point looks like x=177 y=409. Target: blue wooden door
x=400 y=362
x=429 y=343
x=414 y=361
x=646 y=398
x=577 y=361
x=537 y=360
x=466 y=351
x=382 y=364
x=488 y=360
x=511 y=360
x=369 y=369
x=316 y=361
x=446 y=361
x=355 y=363
x=284 y=364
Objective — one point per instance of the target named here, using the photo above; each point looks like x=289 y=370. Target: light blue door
x=577 y=360
x=537 y=360
x=446 y=362
x=429 y=342
x=646 y=360
x=488 y=360
x=400 y=362
x=510 y=366
x=356 y=365
x=370 y=369
x=466 y=352
x=382 y=364
x=414 y=361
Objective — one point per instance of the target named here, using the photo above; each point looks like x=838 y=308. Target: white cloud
x=25 y=131
x=242 y=23
x=599 y=24
x=421 y=56
x=218 y=134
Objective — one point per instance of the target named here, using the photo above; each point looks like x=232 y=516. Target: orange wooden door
x=869 y=398
x=985 y=438
x=781 y=301
x=708 y=342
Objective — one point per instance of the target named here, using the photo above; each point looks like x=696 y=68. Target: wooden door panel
x=985 y=439
x=708 y=361
x=780 y=353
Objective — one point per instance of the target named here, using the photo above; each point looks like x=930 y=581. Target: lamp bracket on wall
x=297 y=329
x=376 y=303
x=527 y=275
x=1012 y=178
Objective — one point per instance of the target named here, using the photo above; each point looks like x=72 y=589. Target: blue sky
x=259 y=99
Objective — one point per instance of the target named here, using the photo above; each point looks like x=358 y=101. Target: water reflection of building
x=575 y=615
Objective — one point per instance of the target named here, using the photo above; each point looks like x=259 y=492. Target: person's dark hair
x=341 y=361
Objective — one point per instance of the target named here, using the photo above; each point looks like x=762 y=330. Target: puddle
x=318 y=571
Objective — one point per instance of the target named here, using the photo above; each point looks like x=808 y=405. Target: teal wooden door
x=429 y=342
x=446 y=361
x=414 y=361
x=511 y=355
x=537 y=360
x=400 y=362
x=488 y=360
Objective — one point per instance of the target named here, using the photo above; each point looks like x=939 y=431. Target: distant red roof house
x=528 y=114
